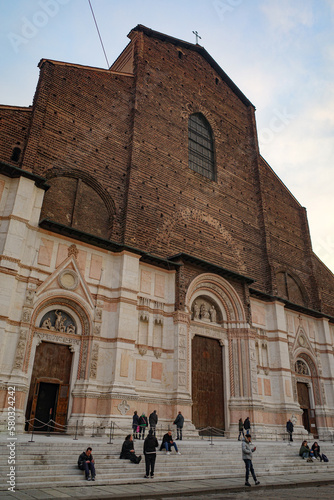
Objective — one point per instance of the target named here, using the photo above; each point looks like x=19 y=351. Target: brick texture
x=114 y=147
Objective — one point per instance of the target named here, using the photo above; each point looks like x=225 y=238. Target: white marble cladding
x=128 y=341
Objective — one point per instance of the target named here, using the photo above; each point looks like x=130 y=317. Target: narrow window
x=16 y=153
x=201 y=153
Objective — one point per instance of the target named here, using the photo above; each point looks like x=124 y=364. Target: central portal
x=49 y=388
x=207 y=383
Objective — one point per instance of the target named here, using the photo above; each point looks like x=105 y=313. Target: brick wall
x=125 y=137
x=81 y=126
x=14 y=125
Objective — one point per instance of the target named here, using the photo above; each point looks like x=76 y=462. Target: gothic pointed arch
x=306 y=368
x=77 y=200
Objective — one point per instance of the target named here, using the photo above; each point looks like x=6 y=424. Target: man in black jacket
x=150 y=445
x=135 y=425
x=128 y=451
x=167 y=443
x=153 y=421
x=179 y=421
x=247 y=426
x=86 y=463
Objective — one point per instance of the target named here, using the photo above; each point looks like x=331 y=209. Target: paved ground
x=279 y=487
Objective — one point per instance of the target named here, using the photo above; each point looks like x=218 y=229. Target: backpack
x=325 y=459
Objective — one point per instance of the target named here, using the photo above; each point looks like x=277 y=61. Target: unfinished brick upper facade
x=113 y=147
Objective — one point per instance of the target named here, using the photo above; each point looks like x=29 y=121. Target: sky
x=280 y=53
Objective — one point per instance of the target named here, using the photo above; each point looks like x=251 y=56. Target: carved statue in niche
x=70 y=329
x=301 y=368
x=196 y=310
x=47 y=324
x=213 y=314
x=204 y=310
x=205 y=313
x=58 y=321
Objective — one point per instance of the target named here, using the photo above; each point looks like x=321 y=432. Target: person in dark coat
x=143 y=423
x=86 y=463
x=179 y=421
x=289 y=428
x=167 y=443
x=128 y=451
x=247 y=426
x=316 y=451
x=150 y=445
x=241 y=429
x=135 y=425
x=153 y=421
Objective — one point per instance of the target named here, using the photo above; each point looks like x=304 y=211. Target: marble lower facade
x=89 y=334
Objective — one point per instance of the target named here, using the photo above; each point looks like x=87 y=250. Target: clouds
x=280 y=53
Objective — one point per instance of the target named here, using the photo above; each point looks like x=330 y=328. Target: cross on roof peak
x=197 y=36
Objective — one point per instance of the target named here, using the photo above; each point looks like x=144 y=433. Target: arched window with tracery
x=201 y=147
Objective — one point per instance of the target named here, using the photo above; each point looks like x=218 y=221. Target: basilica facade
x=150 y=257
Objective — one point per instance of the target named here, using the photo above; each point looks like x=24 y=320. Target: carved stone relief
x=203 y=310
x=49 y=337
x=94 y=360
x=85 y=325
x=30 y=294
x=301 y=368
x=26 y=315
x=59 y=321
x=20 y=350
x=123 y=407
x=157 y=352
x=253 y=367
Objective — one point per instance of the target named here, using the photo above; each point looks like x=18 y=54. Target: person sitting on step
x=128 y=451
x=167 y=443
x=86 y=463
x=316 y=451
x=305 y=451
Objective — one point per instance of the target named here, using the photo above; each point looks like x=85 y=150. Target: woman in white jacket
x=247 y=452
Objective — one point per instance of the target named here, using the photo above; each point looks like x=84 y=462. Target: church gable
x=67 y=277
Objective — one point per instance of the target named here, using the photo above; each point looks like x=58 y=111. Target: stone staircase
x=53 y=463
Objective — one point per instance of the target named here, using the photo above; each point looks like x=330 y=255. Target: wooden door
x=61 y=411
x=309 y=420
x=52 y=365
x=207 y=383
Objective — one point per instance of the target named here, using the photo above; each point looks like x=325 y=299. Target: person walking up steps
x=247 y=452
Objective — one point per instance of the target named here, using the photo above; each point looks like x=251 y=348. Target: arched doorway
x=48 y=397
x=49 y=387
x=207 y=383
x=304 y=402
x=304 y=392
